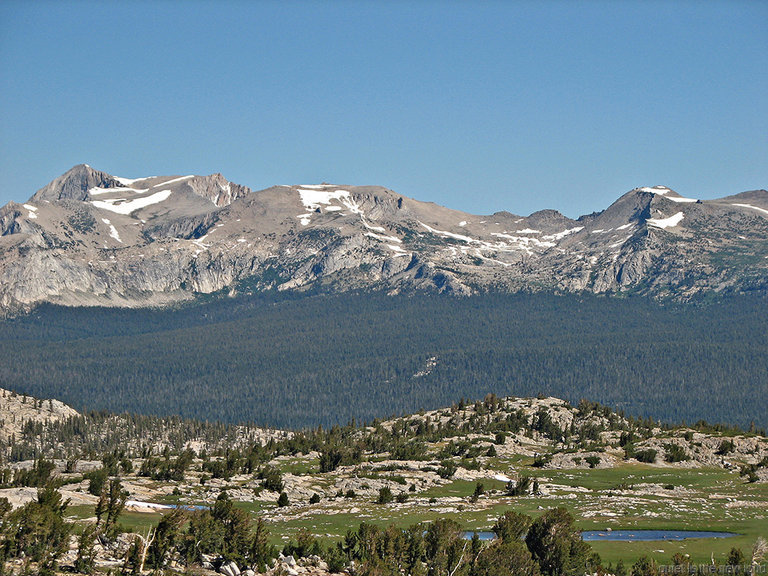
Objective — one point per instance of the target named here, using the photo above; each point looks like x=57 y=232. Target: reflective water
x=629 y=535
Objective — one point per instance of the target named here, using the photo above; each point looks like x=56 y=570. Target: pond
x=629 y=535
x=647 y=535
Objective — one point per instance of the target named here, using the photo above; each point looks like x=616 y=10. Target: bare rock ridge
x=16 y=410
x=90 y=238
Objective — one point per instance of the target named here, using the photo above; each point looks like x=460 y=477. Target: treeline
x=89 y=435
x=243 y=449
x=300 y=362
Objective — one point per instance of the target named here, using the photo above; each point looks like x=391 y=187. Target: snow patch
x=625 y=226
x=563 y=234
x=448 y=234
x=127 y=181
x=96 y=190
x=620 y=242
x=174 y=180
x=660 y=190
x=528 y=231
x=663 y=191
x=123 y=206
x=666 y=222
x=383 y=237
x=313 y=199
x=138 y=506
x=523 y=242
x=374 y=228
x=32 y=209
x=463 y=223
x=763 y=210
x=112 y=230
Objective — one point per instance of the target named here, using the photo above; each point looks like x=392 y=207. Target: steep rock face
x=89 y=238
x=217 y=189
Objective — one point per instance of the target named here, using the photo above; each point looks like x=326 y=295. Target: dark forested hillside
x=298 y=362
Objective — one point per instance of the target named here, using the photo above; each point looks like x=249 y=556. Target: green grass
x=129 y=521
x=631 y=473
x=299 y=466
x=702 y=500
x=461 y=488
x=691 y=508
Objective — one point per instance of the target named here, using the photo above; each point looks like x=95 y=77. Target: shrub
x=648 y=456
x=675 y=453
x=645 y=566
x=593 y=461
x=385 y=495
x=96 y=480
x=541 y=460
x=447 y=469
x=519 y=488
x=272 y=479
x=726 y=446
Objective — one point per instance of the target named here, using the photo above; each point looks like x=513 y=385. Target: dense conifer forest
x=288 y=361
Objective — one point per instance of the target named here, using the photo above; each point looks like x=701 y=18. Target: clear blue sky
x=479 y=106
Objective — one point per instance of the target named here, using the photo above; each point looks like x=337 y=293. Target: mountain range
x=90 y=238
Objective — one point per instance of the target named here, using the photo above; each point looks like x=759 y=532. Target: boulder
x=229 y=569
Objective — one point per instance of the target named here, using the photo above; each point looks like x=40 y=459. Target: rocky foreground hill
x=90 y=238
x=472 y=462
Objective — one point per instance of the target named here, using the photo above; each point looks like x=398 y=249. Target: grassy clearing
x=630 y=496
x=702 y=499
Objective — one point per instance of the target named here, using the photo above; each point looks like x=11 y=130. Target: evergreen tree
x=556 y=544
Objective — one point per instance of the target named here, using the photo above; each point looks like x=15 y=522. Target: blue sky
x=479 y=106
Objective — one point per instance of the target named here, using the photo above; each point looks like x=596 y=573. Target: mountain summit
x=90 y=238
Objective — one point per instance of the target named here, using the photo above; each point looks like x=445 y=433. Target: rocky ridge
x=18 y=410
x=90 y=238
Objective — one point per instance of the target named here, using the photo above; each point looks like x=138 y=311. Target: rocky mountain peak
x=92 y=238
x=546 y=218
x=74 y=184
x=217 y=189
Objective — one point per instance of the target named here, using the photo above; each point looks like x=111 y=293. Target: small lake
x=629 y=535
x=647 y=535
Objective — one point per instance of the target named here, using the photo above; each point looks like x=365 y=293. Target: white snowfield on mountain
x=670 y=222
x=124 y=206
x=752 y=207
